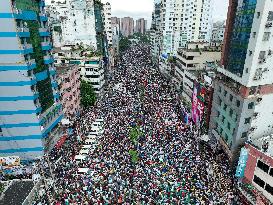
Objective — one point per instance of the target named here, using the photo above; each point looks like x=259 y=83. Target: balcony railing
x=46 y=45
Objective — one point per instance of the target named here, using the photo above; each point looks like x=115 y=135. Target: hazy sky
x=143 y=8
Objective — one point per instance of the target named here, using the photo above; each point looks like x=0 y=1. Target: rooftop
x=264 y=144
x=63 y=69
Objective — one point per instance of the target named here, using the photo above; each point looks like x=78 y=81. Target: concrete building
x=141 y=26
x=30 y=109
x=183 y=22
x=115 y=43
x=73 y=22
x=155 y=33
x=92 y=69
x=242 y=102
x=255 y=172
x=218 y=32
x=127 y=26
x=68 y=78
x=107 y=22
x=115 y=21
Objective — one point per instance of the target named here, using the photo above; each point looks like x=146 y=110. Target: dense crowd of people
x=172 y=166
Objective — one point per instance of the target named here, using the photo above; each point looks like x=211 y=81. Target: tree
x=124 y=44
x=134 y=155
x=88 y=96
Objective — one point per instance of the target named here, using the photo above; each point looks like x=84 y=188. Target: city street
x=170 y=167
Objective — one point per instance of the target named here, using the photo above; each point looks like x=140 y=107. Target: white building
x=107 y=22
x=182 y=22
x=91 y=68
x=218 y=32
x=75 y=21
x=243 y=96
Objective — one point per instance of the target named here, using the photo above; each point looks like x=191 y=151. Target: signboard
x=240 y=170
x=198 y=99
x=9 y=161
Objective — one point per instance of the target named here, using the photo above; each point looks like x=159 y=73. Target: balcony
x=44 y=32
x=23 y=32
x=48 y=59
x=46 y=46
x=27 y=48
x=31 y=64
x=52 y=71
x=43 y=16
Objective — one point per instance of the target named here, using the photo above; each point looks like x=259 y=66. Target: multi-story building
x=127 y=26
x=115 y=43
x=92 y=68
x=73 y=22
x=30 y=110
x=101 y=35
x=218 y=32
x=115 y=20
x=255 y=172
x=183 y=22
x=68 y=78
x=155 y=33
x=141 y=26
x=243 y=92
x=107 y=22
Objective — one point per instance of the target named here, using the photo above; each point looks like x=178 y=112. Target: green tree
x=88 y=95
x=124 y=44
x=134 y=155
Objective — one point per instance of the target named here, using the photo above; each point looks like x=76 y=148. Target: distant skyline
x=144 y=8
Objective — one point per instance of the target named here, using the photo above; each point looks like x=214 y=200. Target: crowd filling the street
x=133 y=148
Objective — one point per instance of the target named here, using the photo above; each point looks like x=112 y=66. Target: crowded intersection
x=170 y=165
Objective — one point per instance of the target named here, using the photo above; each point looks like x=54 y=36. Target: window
x=258 y=181
x=225 y=93
x=258 y=14
x=266 y=36
x=228 y=125
x=225 y=107
x=244 y=134
x=230 y=98
x=262 y=55
x=223 y=119
x=271 y=172
x=270 y=16
x=251 y=105
x=238 y=103
x=269 y=189
x=263 y=166
x=230 y=112
x=247 y=120
x=220 y=90
x=254 y=34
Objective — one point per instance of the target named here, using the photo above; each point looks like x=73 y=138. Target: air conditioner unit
x=259 y=100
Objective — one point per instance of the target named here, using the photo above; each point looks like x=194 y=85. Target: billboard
x=198 y=102
x=9 y=161
x=240 y=170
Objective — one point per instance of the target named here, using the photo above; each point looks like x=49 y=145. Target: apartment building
x=141 y=26
x=127 y=26
x=30 y=109
x=108 y=22
x=243 y=96
x=73 y=22
x=182 y=22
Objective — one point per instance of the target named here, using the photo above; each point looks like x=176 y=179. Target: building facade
x=183 y=22
x=30 y=109
x=255 y=172
x=108 y=22
x=244 y=86
x=127 y=26
x=73 y=22
x=68 y=78
x=141 y=26
x=218 y=32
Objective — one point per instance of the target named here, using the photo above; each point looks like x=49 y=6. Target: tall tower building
x=127 y=26
x=141 y=26
x=107 y=22
x=243 y=96
x=30 y=109
x=182 y=22
x=73 y=22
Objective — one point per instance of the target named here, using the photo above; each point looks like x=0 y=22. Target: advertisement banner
x=9 y=161
x=198 y=99
x=240 y=170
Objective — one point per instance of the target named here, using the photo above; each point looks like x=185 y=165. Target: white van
x=80 y=158
x=84 y=151
x=90 y=141
x=83 y=170
x=86 y=146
